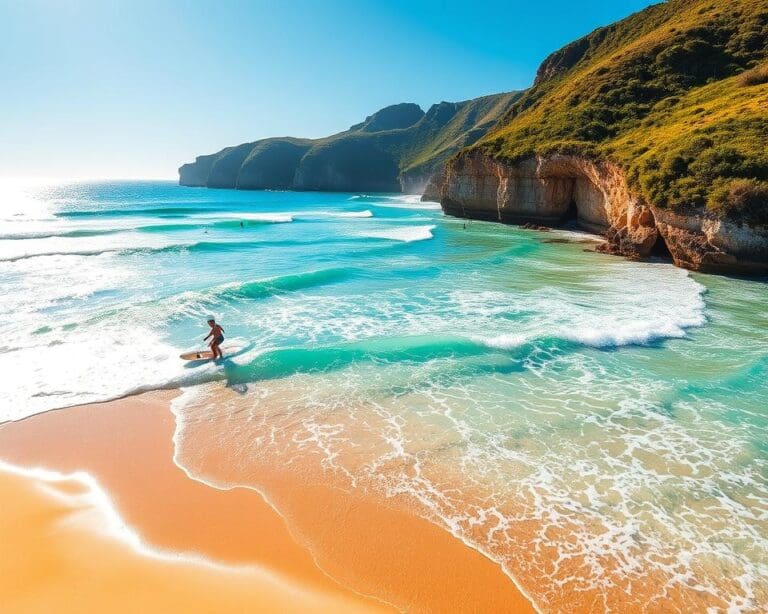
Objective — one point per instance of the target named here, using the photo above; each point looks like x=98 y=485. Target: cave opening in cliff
x=571 y=215
x=660 y=249
x=571 y=193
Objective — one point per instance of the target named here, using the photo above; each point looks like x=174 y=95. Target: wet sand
x=54 y=561
x=126 y=445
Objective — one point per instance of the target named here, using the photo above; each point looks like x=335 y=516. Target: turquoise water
x=596 y=426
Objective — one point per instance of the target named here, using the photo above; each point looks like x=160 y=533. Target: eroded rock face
x=713 y=245
x=549 y=191
x=556 y=189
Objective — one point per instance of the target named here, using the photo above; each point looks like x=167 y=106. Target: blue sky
x=134 y=88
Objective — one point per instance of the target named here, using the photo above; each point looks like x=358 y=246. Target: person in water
x=217 y=337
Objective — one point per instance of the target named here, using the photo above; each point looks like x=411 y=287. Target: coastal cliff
x=397 y=149
x=559 y=189
x=652 y=132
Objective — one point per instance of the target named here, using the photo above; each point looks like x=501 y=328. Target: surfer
x=217 y=337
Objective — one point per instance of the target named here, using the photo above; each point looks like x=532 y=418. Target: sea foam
x=337 y=214
x=406 y=234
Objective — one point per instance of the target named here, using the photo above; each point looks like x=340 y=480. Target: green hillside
x=450 y=126
x=676 y=94
x=396 y=148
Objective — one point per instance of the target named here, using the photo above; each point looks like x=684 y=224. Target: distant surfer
x=217 y=338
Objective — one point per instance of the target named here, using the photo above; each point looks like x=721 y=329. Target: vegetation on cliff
x=396 y=148
x=676 y=94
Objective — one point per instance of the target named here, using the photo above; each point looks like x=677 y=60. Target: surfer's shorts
x=220 y=339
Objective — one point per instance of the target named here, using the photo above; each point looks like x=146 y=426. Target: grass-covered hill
x=447 y=128
x=395 y=149
x=676 y=94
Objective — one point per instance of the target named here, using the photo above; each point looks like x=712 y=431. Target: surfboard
x=200 y=355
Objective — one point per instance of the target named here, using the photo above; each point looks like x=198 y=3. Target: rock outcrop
x=712 y=245
x=558 y=189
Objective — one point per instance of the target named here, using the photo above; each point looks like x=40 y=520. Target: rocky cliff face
x=701 y=243
x=651 y=131
x=552 y=190
x=195 y=174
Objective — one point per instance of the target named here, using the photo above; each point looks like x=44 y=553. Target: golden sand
x=53 y=561
x=126 y=446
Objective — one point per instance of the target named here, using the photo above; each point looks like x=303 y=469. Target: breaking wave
x=406 y=234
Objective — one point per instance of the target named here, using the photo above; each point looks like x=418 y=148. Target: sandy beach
x=197 y=542
x=382 y=307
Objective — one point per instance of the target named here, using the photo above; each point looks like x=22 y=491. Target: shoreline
x=379 y=556
x=89 y=559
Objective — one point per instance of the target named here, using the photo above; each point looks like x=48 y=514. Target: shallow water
x=596 y=426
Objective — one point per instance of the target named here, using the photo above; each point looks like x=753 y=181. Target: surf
x=508 y=389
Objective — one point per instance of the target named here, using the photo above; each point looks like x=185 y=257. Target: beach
x=361 y=307
x=204 y=549
x=413 y=413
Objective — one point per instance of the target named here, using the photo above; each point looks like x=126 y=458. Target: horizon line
x=81 y=179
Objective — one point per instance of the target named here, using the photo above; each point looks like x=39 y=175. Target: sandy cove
x=388 y=559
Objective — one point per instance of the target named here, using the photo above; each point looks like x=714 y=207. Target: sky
x=135 y=88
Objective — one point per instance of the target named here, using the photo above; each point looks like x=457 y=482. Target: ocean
x=597 y=427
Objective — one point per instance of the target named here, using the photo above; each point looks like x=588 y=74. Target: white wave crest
x=502 y=342
x=409 y=205
x=406 y=234
x=634 y=333
x=269 y=218
x=646 y=303
x=335 y=214
x=402 y=201
x=366 y=213
x=82 y=246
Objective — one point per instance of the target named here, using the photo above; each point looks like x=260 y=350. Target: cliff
x=556 y=189
x=653 y=131
x=395 y=149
